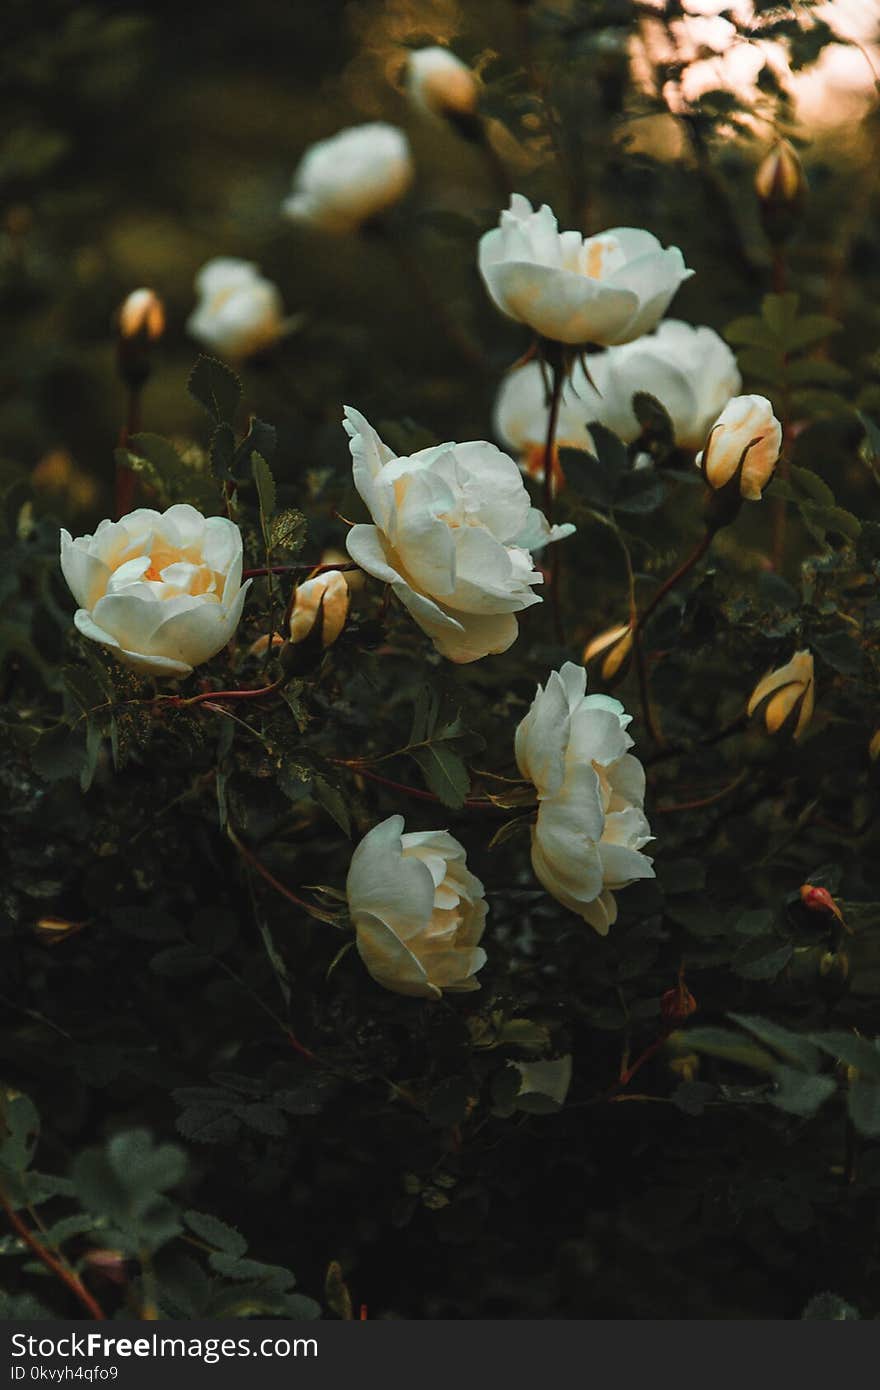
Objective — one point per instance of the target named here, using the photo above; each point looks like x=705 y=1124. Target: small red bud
x=677 y=1004
x=818 y=899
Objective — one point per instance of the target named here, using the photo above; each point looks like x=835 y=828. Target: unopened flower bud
x=677 y=1004
x=787 y=690
x=742 y=449
x=142 y=315
x=686 y=1066
x=780 y=186
x=327 y=595
x=874 y=747
x=440 y=83
x=111 y=1263
x=53 y=929
x=616 y=643
x=817 y=899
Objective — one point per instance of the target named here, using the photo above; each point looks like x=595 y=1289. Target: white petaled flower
x=239 y=312
x=418 y=911
x=453 y=530
x=690 y=371
x=439 y=82
x=342 y=182
x=603 y=289
x=522 y=413
x=591 y=829
x=746 y=439
x=162 y=590
x=327 y=592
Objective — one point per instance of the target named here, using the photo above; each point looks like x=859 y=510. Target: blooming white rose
x=452 y=534
x=239 y=311
x=418 y=911
x=438 y=82
x=327 y=591
x=342 y=182
x=591 y=825
x=746 y=439
x=602 y=289
x=162 y=590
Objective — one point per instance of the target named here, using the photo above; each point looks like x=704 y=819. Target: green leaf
x=333 y=801
x=811 y=329
x=863 y=1104
x=800 y=1094
x=265 y=489
x=223 y=453
x=748 y=331
x=853 y=1050
x=757 y=961
x=795 y=1047
x=732 y=1047
x=216 y=388
x=261 y=438
x=19 y=1129
x=811 y=485
x=444 y=772
x=779 y=312
x=59 y=753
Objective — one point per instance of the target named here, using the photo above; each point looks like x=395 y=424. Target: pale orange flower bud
x=328 y=594
x=787 y=689
x=142 y=315
x=616 y=642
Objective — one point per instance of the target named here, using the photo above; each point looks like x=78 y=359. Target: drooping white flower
x=239 y=312
x=603 y=289
x=591 y=828
x=745 y=439
x=418 y=911
x=342 y=182
x=452 y=533
x=161 y=590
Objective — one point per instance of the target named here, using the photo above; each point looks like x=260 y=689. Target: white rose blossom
x=239 y=312
x=161 y=590
x=342 y=182
x=590 y=831
x=603 y=289
x=418 y=911
x=452 y=533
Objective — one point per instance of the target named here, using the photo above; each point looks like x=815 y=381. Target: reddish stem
x=677 y=575
x=471 y=804
x=262 y=570
x=179 y=702
x=260 y=868
x=61 y=1271
x=126 y=478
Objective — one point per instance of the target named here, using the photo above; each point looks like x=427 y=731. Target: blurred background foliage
x=137 y=143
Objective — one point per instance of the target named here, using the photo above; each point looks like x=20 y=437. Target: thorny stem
x=557 y=367
x=259 y=867
x=57 y=1266
x=675 y=578
x=702 y=801
x=354 y=765
x=178 y=702
x=312 y=570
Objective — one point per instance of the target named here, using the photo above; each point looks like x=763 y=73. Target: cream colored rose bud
x=142 y=315
x=326 y=593
x=744 y=442
x=438 y=82
x=787 y=690
x=616 y=644
x=874 y=747
x=779 y=177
